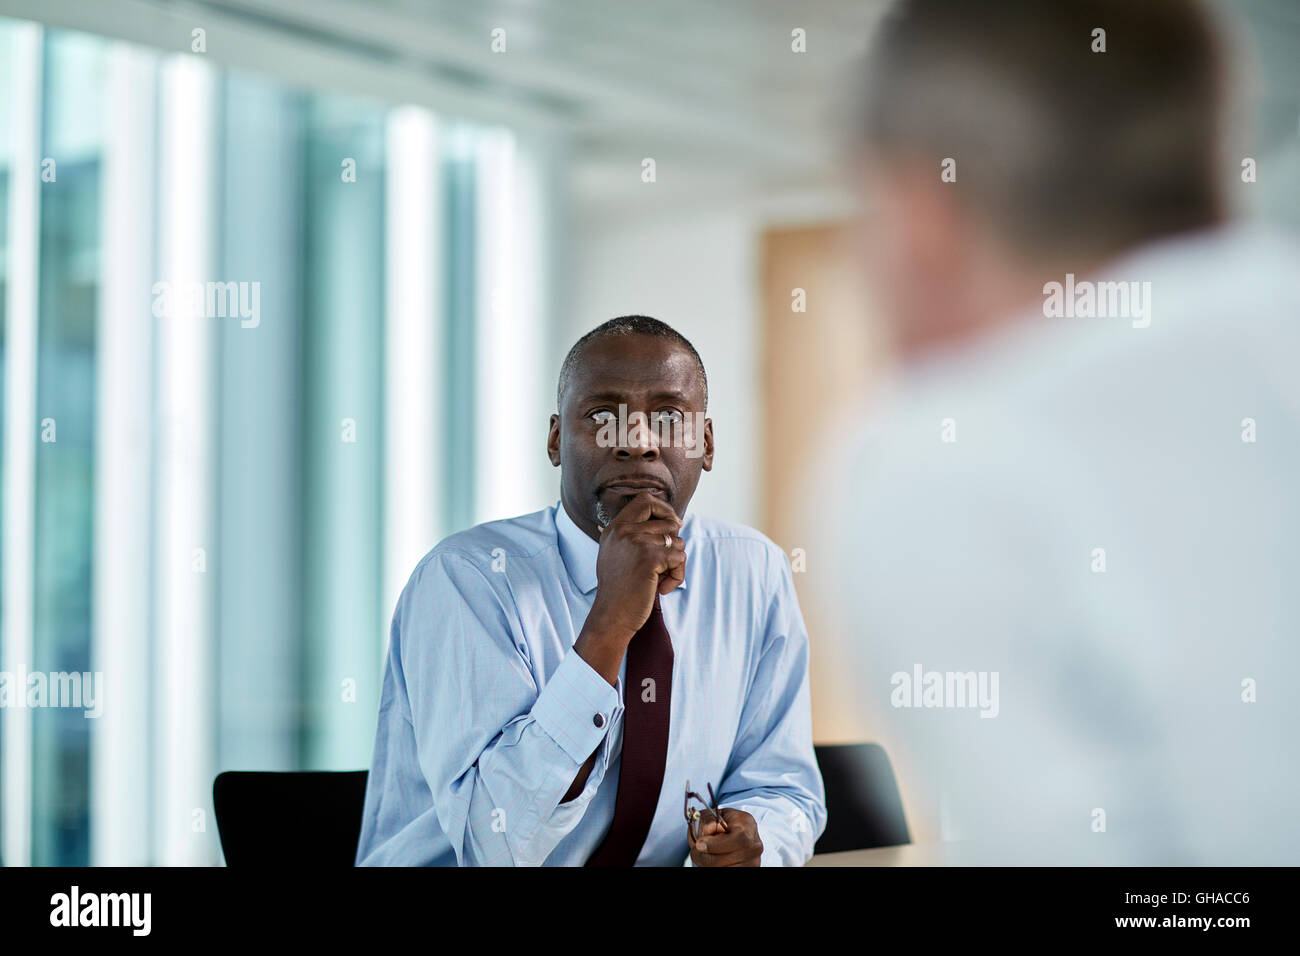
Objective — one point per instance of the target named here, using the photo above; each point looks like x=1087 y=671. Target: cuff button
x=598 y=720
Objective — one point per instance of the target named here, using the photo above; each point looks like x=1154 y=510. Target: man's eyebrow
x=612 y=396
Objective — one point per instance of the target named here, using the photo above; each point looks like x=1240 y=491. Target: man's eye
x=669 y=416
x=602 y=417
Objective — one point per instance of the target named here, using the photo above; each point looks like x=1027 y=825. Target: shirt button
x=598 y=720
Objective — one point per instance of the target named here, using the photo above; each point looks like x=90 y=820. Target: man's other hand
x=738 y=845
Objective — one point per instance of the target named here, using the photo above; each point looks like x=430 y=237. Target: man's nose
x=642 y=442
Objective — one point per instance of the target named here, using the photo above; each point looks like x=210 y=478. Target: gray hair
x=1060 y=148
x=627 y=325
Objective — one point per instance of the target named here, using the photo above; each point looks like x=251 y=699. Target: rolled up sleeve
x=773 y=773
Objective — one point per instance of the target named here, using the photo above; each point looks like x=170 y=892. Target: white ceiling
x=720 y=70
x=709 y=88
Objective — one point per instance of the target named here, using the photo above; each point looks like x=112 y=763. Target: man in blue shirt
x=555 y=680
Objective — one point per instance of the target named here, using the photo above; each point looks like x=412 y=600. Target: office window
x=65 y=375
x=226 y=494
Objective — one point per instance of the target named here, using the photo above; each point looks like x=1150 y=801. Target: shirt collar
x=579 y=551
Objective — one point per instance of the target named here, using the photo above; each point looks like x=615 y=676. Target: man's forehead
x=619 y=365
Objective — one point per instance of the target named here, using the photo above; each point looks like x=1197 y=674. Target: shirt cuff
x=576 y=707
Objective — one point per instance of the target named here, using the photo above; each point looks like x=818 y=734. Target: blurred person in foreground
x=1067 y=547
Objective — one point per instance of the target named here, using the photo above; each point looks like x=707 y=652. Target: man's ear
x=936 y=222
x=553 y=441
x=708 y=445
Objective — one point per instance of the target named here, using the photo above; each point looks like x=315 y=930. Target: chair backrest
x=863 y=804
x=314 y=817
x=295 y=819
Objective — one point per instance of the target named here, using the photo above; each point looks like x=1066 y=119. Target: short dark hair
x=1060 y=148
x=627 y=325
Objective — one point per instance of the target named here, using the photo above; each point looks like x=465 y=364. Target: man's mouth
x=631 y=487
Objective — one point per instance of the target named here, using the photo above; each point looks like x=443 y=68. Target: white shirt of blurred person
x=1080 y=531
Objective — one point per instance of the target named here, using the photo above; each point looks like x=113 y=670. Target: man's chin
x=614 y=500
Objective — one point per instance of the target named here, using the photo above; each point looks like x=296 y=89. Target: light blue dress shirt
x=487 y=714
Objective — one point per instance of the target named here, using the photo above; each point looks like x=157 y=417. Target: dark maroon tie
x=645 y=742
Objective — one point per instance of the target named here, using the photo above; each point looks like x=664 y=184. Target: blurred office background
x=435 y=199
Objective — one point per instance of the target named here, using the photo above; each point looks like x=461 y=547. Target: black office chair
x=314 y=818
x=299 y=819
x=863 y=805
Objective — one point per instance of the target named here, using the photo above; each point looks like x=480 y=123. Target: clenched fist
x=738 y=845
x=640 y=556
